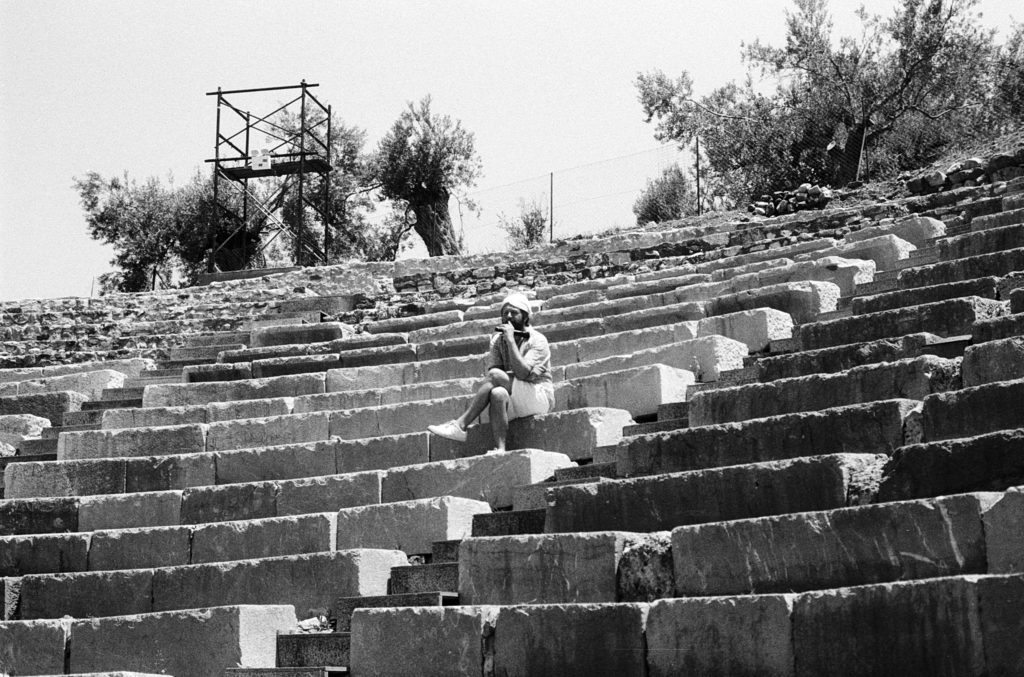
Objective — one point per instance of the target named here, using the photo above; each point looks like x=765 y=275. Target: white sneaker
x=449 y=430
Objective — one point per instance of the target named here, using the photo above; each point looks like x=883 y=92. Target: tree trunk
x=434 y=225
x=848 y=159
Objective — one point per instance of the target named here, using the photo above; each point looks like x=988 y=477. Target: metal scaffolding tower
x=252 y=186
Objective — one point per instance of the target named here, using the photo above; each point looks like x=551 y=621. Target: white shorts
x=530 y=399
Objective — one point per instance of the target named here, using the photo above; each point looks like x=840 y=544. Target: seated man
x=518 y=376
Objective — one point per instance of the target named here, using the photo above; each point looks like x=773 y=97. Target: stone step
x=128 y=367
x=875 y=427
x=193 y=642
x=993 y=361
x=83 y=417
x=36 y=447
x=585 y=471
x=984 y=287
x=422 y=578
x=133 y=393
x=998 y=220
x=89 y=383
x=218 y=339
x=346 y=605
x=200 y=352
x=997 y=264
x=998 y=328
x=660 y=502
x=833 y=632
x=445 y=551
x=878 y=286
x=165 y=368
x=843 y=357
x=318 y=671
x=54 y=432
x=980 y=242
x=492 y=478
x=912 y=378
x=989 y=462
x=594 y=423
x=655 y=427
x=311 y=650
x=298 y=333
x=353 y=342
x=112 y=404
x=942 y=318
x=508 y=522
x=410 y=526
x=973 y=411
x=308 y=581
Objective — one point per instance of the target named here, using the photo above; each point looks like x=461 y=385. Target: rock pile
x=973 y=171
x=806 y=196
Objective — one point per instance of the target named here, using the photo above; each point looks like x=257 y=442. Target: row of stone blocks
x=963 y=626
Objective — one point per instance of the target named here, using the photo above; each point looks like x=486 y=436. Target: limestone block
x=227 y=502
x=490 y=478
x=483 y=326
x=917 y=230
x=989 y=462
x=415 y=392
x=200 y=642
x=999 y=263
x=574 y=433
x=299 y=333
x=837 y=548
x=226 y=411
x=1004 y=533
x=836 y=632
x=152 y=416
x=742 y=635
x=44 y=553
x=662 y=502
x=333 y=492
x=126 y=442
x=125 y=511
x=50 y=406
x=295 y=364
x=755 y=328
x=352 y=399
x=598 y=309
x=845 y=273
x=981 y=242
x=670 y=313
x=803 y=301
x=620 y=343
x=984 y=287
x=443 y=640
x=139 y=548
x=381 y=453
x=884 y=250
x=560 y=301
x=414 y=322
x=470 y=366
x=33 y=647
x=176 y=394
x=160 y=473
x=412 y=417
x=639 y=391
x=974 y=411
x=38 y=516
x=308 y=582
x=542 y=568
x=738 y=271
x=354 y=424
x=874 y=427
x=216 y=372
x=280 y=462
x=17 y=427
x=363 y=378
x=994 y=361
x=35 y=478
x=410 y=526
x=90 y=383
x=706 y=357
x=570 y=639
x=911 y=379
x=85 y=594
x=272 y=537
x=999 y=601
x=260 y=432
x=953 y=317
x=436 y=350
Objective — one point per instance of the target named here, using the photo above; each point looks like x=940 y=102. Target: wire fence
x=583 y=200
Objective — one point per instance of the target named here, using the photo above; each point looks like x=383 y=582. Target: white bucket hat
x=517 y=301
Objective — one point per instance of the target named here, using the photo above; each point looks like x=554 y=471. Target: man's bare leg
x=480 y=401
x=499 y=416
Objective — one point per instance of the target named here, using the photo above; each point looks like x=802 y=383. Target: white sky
x=119 y=85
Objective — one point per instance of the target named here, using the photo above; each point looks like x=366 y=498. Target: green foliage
x=670 y=196
x=529 y=229
x=422 y=161
x=904 y=89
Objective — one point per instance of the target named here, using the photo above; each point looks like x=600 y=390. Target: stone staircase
x=764 y=442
